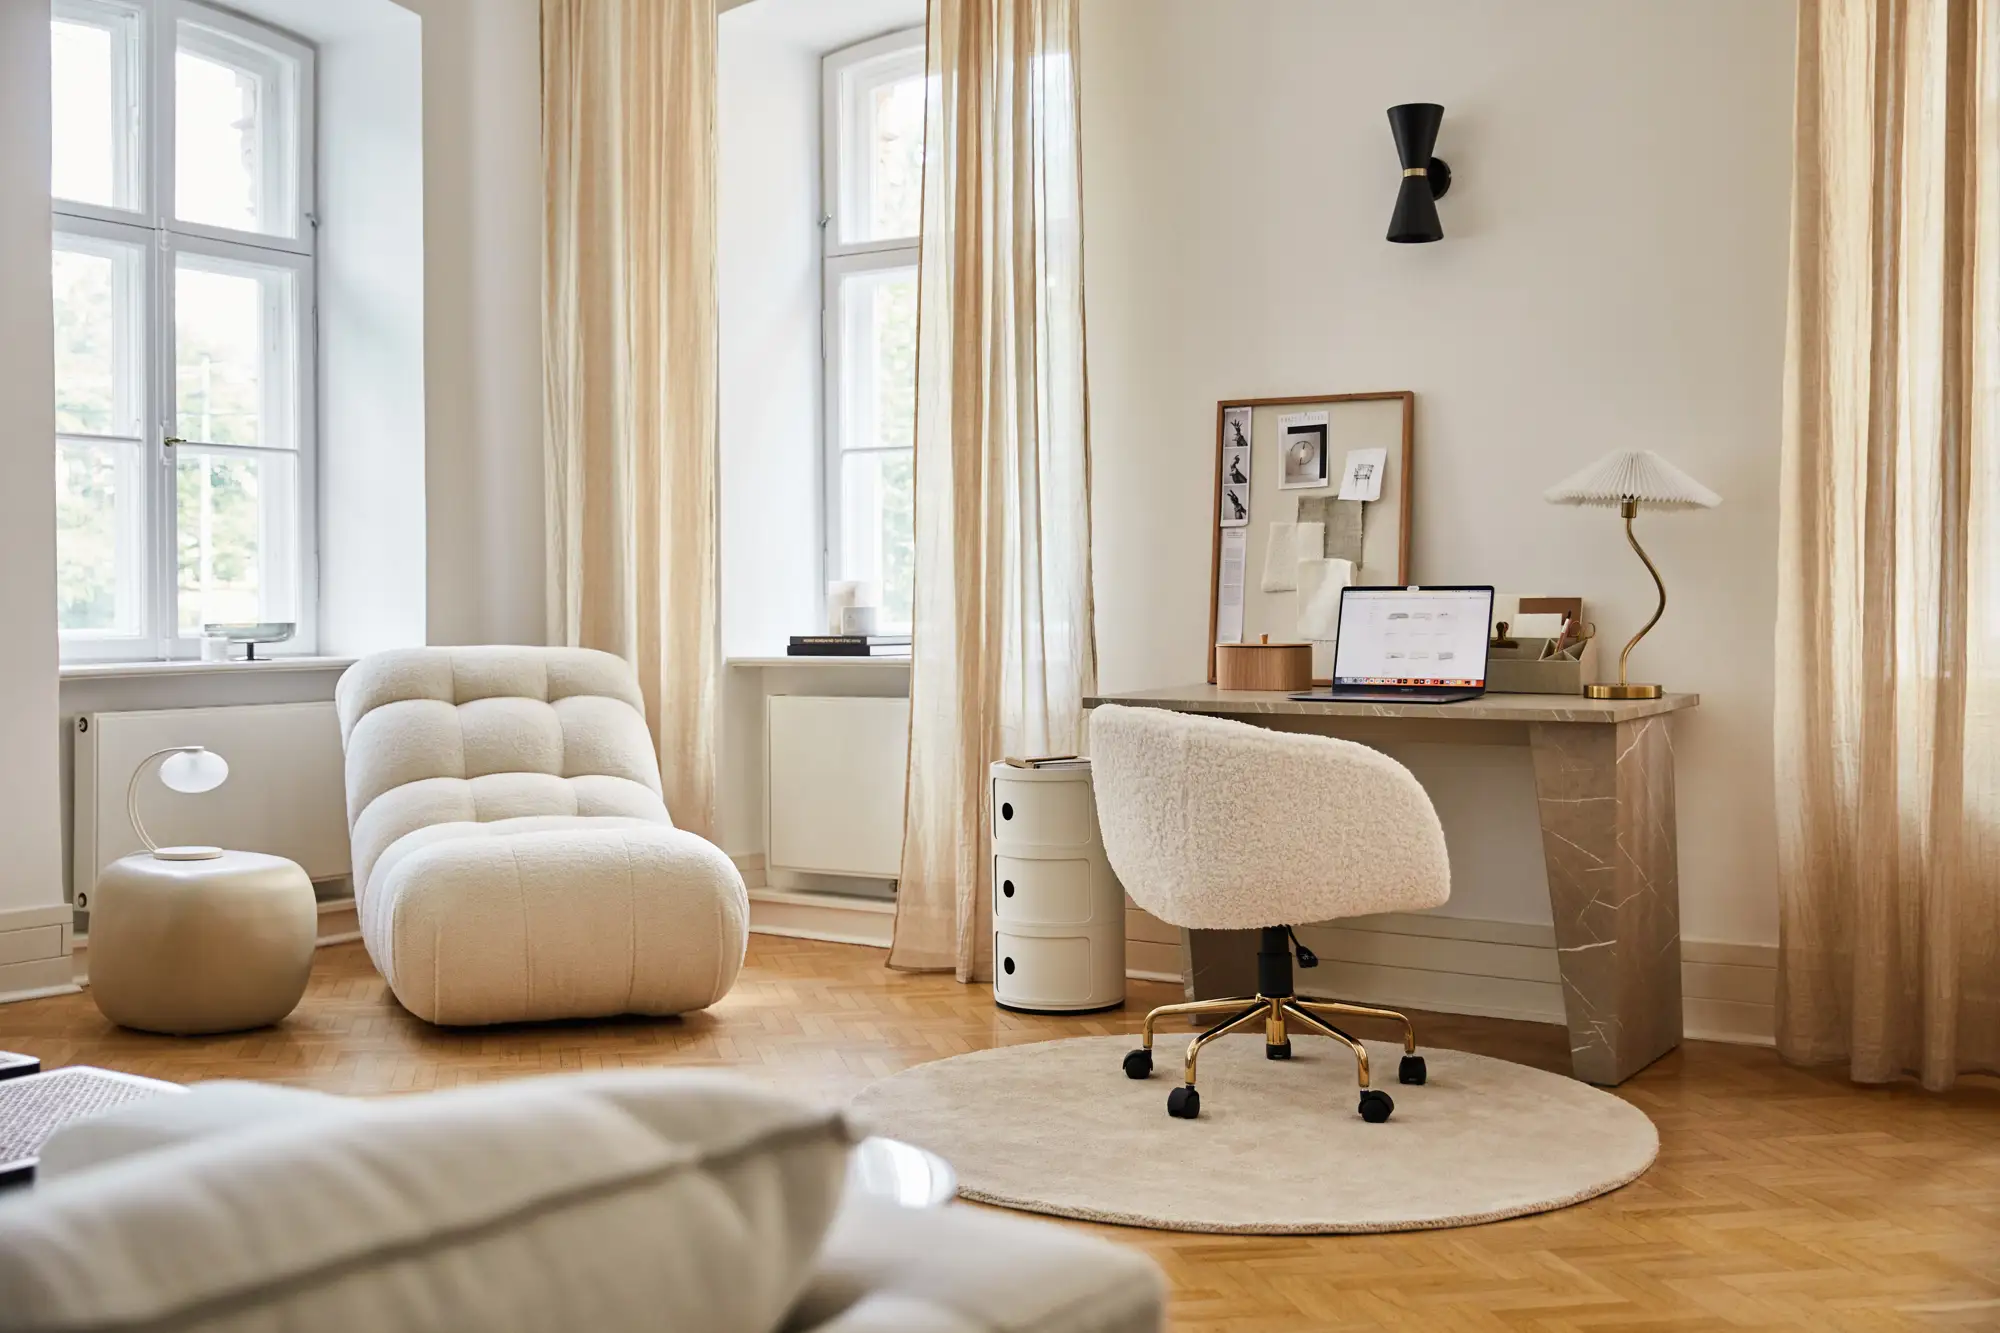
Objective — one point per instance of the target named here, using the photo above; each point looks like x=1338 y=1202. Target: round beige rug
x=1056 y=1127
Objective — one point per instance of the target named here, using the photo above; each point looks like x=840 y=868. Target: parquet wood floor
x=1783 y=1199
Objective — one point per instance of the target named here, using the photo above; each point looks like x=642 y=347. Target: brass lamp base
x=1622 y=691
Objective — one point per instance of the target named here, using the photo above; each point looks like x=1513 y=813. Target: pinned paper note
x=1229 y=590
x=1320 y=582
x=1286 y=545
x=1361 y=478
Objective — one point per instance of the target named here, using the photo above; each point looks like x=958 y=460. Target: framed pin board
x=1312 y=494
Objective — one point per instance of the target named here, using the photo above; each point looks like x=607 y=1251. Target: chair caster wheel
x=1412 y=1070
x=1375 y=1105
x=1139 y=1063
x=1282 y=1051
x=1183 y=1103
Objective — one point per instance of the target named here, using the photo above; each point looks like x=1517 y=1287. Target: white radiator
x=835 y=771
x=285 y=795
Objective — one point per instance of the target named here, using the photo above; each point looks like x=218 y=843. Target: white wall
x=1613 y=275
x=464 y=516
x=482 y=79
x=767 y=210
x=30 y=869
x=371 y=328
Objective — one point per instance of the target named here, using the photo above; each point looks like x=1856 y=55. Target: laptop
x=1410 y=645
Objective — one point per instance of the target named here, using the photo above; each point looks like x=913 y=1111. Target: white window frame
x=163 y=238
x=897 y=55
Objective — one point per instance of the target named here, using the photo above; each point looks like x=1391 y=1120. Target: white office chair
x=1215 y=825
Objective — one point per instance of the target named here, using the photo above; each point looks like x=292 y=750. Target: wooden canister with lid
x=1263 y=666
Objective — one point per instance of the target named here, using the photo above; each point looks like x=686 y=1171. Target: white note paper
x=1229 y=586
x=1320 y=582
x=1361 y=478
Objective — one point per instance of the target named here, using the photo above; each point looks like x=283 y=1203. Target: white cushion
x=901 y=1270
x=429 y=730
x=552 y=917
x=635 y=1201
x=1216 y=825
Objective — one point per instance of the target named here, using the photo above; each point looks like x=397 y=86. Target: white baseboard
x=751 y=867
x=823 y=916
x=35 y=945
x=1502 y=969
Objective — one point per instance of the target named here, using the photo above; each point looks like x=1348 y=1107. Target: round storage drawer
x=1040 y=813
x=1044 y=893
x=1033 y=972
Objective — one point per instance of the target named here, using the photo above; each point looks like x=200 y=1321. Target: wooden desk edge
x=1488 y=707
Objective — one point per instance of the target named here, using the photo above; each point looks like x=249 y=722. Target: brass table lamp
x=1628 y=479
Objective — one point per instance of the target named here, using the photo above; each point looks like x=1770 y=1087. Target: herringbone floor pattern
x=1783 y=1199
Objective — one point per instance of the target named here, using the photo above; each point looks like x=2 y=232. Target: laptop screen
x=1413 y=636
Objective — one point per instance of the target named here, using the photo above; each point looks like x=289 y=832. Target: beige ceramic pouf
x=214 y=944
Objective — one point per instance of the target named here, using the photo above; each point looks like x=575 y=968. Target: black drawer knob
x=1009 y=966
x=1006 y=809
x=1007 y=888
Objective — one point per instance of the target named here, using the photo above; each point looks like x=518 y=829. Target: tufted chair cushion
x=512 y=856
x=1216 y=825
x=437 y=735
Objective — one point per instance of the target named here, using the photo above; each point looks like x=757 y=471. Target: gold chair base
x=1277 y=1013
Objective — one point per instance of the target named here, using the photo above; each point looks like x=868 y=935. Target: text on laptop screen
x=1413 y=636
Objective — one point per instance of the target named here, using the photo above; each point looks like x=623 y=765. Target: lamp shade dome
x=194 y=771
x=1633 y=474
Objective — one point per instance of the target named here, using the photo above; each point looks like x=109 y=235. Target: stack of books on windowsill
x=849 y=645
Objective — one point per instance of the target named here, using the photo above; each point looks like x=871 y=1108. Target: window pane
x=896 y=149
x=235 y=134
x=99 y=318
x=882 y=148
x=100 y=538
x=235 y=353
x=878 y=359
x=97 y=55
x=237 y=526
x=878 y=528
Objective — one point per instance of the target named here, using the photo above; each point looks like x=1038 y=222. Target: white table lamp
x=1628 y=479
x=191 y=769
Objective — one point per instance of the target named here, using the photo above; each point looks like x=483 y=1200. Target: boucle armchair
x=1215 y=825
x=513 y=858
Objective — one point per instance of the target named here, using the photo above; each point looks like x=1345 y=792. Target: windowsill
x=902 y=663
x=191 y=667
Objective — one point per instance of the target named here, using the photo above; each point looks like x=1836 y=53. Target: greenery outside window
x=873 y=166
x=183 y=275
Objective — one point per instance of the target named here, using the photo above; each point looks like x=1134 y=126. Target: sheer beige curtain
x=1003 y=652
x=1888 y=662
x=628 y=141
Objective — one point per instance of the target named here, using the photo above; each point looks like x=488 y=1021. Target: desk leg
x=1606 y=795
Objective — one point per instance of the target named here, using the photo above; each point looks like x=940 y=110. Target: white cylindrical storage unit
x=1058 y=911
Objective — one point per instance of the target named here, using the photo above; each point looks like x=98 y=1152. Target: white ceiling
x=820 y=25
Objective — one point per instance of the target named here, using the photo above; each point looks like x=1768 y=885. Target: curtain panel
x=629 y=339
x=1003 y=653
x=1888 y=683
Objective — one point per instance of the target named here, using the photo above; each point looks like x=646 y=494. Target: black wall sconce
x=1425 y=178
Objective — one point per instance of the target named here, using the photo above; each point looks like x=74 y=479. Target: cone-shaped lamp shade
x=1415 y=125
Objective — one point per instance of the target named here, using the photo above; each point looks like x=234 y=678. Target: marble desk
x=1604 y=786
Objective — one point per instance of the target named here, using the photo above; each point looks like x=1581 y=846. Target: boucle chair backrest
x=437 y=735
x=1216 y=825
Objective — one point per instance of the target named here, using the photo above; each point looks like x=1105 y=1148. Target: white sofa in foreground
x=631 y=1202
x=513 y=859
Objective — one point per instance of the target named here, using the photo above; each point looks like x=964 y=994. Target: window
x=873 y=187
x=183 y=278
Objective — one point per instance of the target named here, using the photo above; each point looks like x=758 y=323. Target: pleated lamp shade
x=1633 y=474
x=1415 y=125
